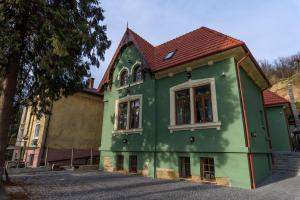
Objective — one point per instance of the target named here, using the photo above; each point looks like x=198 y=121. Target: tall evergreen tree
x=46 y=50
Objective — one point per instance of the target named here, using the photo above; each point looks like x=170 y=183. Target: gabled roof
x=272 y=99
x=199 y=43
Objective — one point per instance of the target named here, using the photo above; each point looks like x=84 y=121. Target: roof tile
x=271 y=99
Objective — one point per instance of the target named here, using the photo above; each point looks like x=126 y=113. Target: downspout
x=238 y=65
x=155 y=135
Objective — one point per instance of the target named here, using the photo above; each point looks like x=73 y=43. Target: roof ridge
x=178 y=37
x=140 y=37
x=222 y=34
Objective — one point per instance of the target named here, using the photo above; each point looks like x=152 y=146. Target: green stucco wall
x=278 y=128
x=141 y=145
x=136 y=142
x=230 y=138
x=157 y=148
x=257 y=128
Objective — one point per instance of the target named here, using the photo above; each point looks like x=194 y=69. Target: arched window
x=124 y=78
x=137 y=74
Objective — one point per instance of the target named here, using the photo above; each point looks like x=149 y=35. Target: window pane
x=122 y=118
x=137 y=74
x=124 y=78
x=208 y=169
x=134 y=114
x=182 y=103
x=37 y=131
x=203 y=109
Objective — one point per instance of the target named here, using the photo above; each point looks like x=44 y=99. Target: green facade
x=278 y=128
x=157 y=148
x=259 y=140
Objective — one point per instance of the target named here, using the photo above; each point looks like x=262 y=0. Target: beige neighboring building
x=70 y=135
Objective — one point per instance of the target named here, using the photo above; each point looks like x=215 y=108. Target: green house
x=191 y=108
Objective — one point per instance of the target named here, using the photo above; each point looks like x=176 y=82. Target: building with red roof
x=278 y=112
x=190 y=108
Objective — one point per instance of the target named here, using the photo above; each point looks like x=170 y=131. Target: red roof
x=271 y=99
x=193 y=45
x=199 y=43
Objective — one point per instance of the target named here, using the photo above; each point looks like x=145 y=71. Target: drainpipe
x=238 y=65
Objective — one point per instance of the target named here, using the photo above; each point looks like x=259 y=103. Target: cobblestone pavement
x=102 y=185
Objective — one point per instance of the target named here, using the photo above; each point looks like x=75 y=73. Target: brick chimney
x=90 y=83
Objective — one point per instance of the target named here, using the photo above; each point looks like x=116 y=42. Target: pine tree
x=46 y=50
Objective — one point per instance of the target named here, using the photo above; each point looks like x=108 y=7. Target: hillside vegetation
x=281 y=87
x=281 y=72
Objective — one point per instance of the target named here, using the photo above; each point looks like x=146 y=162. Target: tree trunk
x=6 y=104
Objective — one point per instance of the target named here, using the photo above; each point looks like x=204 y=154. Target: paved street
x=102 y=185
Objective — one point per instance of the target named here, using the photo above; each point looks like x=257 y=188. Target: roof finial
x=127 y=25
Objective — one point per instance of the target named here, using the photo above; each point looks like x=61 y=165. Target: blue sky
x=270 y=28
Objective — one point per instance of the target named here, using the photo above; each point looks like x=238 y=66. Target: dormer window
x=137 y=74
x=169 y=55
x=124 y=78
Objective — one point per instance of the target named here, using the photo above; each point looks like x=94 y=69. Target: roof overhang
x=276 y=104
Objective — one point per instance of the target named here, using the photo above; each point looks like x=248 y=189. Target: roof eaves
x=256 y=65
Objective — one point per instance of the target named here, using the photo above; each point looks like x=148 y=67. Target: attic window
x=169 y=55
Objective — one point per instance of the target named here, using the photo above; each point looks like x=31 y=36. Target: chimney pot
x=90 y=82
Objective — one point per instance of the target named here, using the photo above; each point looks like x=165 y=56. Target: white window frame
x=136 y=64
x=119 y=76
x=127 y=99
x=191 y=84
x=37 y=137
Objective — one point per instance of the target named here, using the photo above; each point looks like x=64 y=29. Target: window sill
x=123 y=87
x=128 y=131
x=127 y=86
x=193 y=127
x=136 y=83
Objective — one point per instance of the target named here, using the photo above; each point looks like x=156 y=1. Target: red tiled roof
x=193 y=45
x=199 y=43
x=145 y=47
x=271 y=98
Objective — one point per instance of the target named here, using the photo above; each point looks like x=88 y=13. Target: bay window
x=193 y=105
